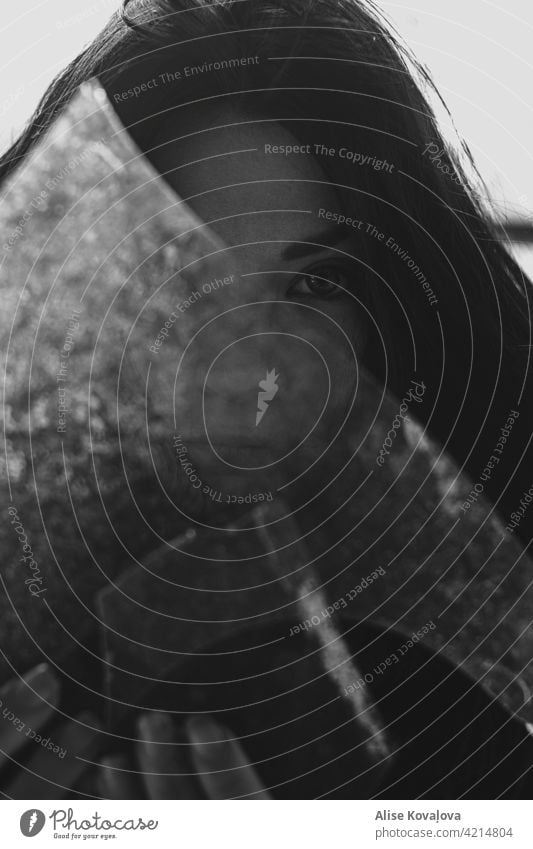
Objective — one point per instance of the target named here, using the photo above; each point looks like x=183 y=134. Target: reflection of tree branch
x=519 y=230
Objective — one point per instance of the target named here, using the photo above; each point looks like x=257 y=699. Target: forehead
x=233 y=170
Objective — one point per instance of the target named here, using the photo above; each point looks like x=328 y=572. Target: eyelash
x=322 y=278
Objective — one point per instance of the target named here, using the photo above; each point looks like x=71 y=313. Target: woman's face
x=271 y=367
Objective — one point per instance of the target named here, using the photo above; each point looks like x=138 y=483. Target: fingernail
x=82 y=732
x=40 y=685
x=204 y=730
x=114 y=762
x=156 y=726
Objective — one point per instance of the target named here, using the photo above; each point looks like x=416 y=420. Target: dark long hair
x=448 y=304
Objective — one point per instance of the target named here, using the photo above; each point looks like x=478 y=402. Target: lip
x=227 y=448
x=246 y=455
x=224 y=441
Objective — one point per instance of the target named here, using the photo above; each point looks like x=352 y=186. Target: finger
x=116 y=780
x=221 y=763
x=88 y=784
x=166 y=772
x=26 y=703
x=49 y=774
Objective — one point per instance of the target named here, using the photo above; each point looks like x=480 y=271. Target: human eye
x=326 y=281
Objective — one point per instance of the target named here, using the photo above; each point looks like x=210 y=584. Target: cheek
x=317 y=380
x=277 y=388
x=321 y=362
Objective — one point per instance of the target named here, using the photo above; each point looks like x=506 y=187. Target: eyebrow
x=314 y=244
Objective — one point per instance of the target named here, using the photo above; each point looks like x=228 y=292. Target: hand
x=219 y=764
x=53 y=759
x=48 y=760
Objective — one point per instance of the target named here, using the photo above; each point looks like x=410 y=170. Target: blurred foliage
x=98 y=230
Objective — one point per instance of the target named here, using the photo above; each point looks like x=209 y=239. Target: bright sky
x=478 y=52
